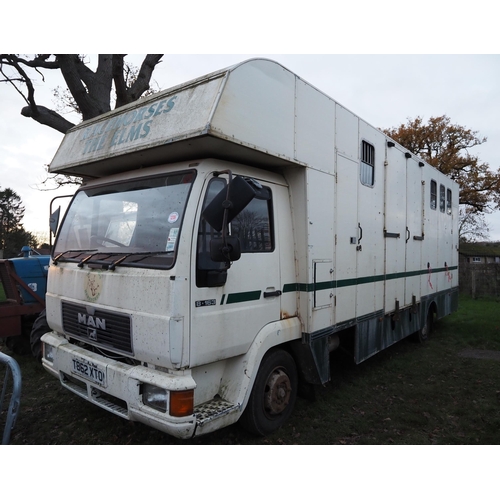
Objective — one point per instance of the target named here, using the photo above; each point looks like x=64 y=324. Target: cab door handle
x=276 y=293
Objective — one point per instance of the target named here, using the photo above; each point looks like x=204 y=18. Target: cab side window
x=206 y=269
x=254 y=225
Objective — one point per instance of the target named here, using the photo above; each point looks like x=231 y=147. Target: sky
x=384 y=90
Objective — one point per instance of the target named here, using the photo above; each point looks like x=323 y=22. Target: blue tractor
x=23 y=283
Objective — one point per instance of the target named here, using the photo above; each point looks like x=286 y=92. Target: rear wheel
x=40 y=327
x=273 y=395
x=423 y=334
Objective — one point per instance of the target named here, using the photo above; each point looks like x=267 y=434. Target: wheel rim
x=424 y=333
x=426 y=329
x=277 y=393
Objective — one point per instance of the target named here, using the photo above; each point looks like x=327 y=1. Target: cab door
x=230 y=306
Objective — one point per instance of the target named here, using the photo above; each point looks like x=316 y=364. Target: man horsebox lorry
x=231 y=233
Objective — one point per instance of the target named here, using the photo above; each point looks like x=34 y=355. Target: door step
x=211 y=410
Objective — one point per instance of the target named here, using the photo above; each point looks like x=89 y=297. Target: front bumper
x=120 y=393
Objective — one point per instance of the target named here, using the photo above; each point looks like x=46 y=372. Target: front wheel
x=273 y=395
x=40 y=327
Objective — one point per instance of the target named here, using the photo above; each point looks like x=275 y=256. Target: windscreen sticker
x=173 y=217
x=172 y=238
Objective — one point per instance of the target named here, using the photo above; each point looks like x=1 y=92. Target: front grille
x=97 y=327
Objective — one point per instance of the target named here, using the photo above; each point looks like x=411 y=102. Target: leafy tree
x=447 y=146
x=11 y=213
x=16 y=240
x=90 y=92
x=12 y=234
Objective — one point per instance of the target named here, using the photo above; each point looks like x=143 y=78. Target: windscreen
x=135 y=222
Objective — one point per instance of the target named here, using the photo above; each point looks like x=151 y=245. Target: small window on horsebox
x=448 y=201
x=367 y=170
x=442 y=198
x=433 y=195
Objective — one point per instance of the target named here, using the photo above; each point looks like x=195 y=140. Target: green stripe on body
x=235 y=298
x=325 y=285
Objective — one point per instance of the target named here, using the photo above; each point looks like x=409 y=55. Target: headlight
x=154 y=397
x=48 y=352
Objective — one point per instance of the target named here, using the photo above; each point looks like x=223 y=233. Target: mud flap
x=313 y=359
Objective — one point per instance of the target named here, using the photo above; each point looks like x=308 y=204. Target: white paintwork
x=330 y=256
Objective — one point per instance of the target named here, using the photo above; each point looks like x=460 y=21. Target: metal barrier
x=12 y=369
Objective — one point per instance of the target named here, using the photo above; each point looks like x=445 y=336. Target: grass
x=408 y=394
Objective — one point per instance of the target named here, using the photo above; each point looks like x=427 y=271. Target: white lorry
x=231 y=232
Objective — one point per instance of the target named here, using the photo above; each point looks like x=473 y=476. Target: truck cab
x=138 y=289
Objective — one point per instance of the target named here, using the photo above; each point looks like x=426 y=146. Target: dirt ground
x=480 y=354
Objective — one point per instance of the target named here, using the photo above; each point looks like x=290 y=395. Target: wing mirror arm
x=227 y=248
x=226 y=205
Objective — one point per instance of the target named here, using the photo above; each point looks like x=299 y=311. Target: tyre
x=40 y=327
x=273 y=395
x=423 y=334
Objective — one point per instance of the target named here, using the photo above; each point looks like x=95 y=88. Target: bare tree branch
x=75 y=73
x=119 y=80
x=48 y=117
x=39 y=61
x=141 y=84
x=90 y=90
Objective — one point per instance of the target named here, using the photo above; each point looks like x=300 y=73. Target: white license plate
x=89 y=371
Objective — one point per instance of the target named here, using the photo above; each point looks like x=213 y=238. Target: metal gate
x=11 y=389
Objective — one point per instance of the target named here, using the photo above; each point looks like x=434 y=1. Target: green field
x=409 y=394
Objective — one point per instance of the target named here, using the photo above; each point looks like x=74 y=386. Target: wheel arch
x=276 y=335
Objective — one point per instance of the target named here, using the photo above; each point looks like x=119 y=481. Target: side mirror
x=225 y=206
x=54 y=221
x=225 y=249
x=241 y=193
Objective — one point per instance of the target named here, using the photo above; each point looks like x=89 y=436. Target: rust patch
x=286 y=315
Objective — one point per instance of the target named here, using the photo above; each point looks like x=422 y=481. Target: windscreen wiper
x=57 y=257
x=115 y=263
x=86 y=259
